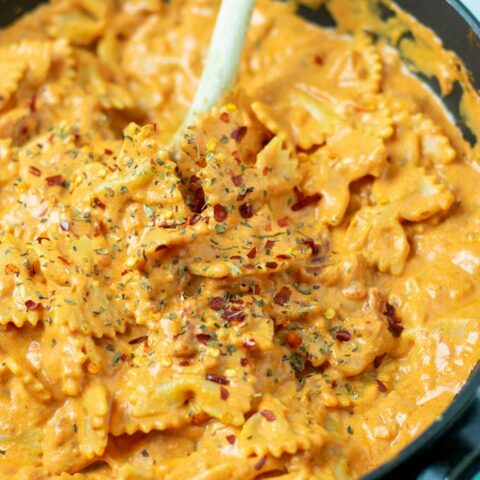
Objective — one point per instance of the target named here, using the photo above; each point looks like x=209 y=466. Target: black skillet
x=450 y=448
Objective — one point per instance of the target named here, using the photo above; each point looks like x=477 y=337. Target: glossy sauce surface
x=290 y=291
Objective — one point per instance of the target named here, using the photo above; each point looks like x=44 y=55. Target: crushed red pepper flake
x=260 y=464
x=108 y=151
x=41 y=239
x=237 y=180
x=381 y=386
x=246 y=210
x=231 y=439
x=268 y=415
x=269 y=244
x=34 y=171
x=224 y=393
x=241 y=196
x=161 y=247
x=282 y=297
x=220 y=213
x=234 y=314
x=283 y=222
x=306 y=201
x=217 y=303
x=395 y=326
x=271 y=265
x=252 y=253
x=31 y=305
x=244 y=362
x=239 y=133
x=266 y=171
x=225 y=117
x=293 y=339
x=98 y=203
x=217 y=378
x=343 y=335
x=203 y=338
x=55 y=180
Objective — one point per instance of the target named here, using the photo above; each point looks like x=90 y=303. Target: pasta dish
x=291 y=293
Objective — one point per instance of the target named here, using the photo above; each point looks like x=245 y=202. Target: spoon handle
x=224 y=54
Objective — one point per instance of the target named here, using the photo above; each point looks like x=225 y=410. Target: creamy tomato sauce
x=290 y=291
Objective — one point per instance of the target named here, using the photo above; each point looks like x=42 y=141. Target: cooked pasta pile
x=291 y=290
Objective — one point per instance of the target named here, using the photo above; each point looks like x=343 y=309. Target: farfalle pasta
x=253 y=297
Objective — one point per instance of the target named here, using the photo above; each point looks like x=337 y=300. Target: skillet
x=450 y=447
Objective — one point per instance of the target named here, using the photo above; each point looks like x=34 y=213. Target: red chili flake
x=282 y=297
x=11 y=269
x=268 y=227
x=184 y=363
x=246 y=210
x=252 y=253
x=260 y=464
x=141 y=339
x=32 y=306
x=283 y=222
x=34 y=171
x=381 y=386
x=219 y=212
x=40 y=239
x=98 y=203
x=244 y=362
x=334 y=384
x=237 y=180
x=271 y=264
x=269 y=244
x=268 y=415
x=242 y=196
x=266 y=171
x=394 y=323
x=50 y=138
x=224 y=393
x=235 y=257
x=239 y=133
x=233 y=314
x=343 y=335
x=315 y=247
x=123 y=356
x=306 y=202
x=377 y=361
x=318 y=59
x=225 y=117
x=250 y=344
x=32 y=104
x=108 y=151
x=217 y=303
x=203 y=338
x=160 y=247
x=231 y=439
x=293 y=339
x=65 y=226
x=55 y=180
x=193 y=219
x=282 y=257
x=217 y=378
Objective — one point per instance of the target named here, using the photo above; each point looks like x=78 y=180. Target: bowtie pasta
x=291 y=292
